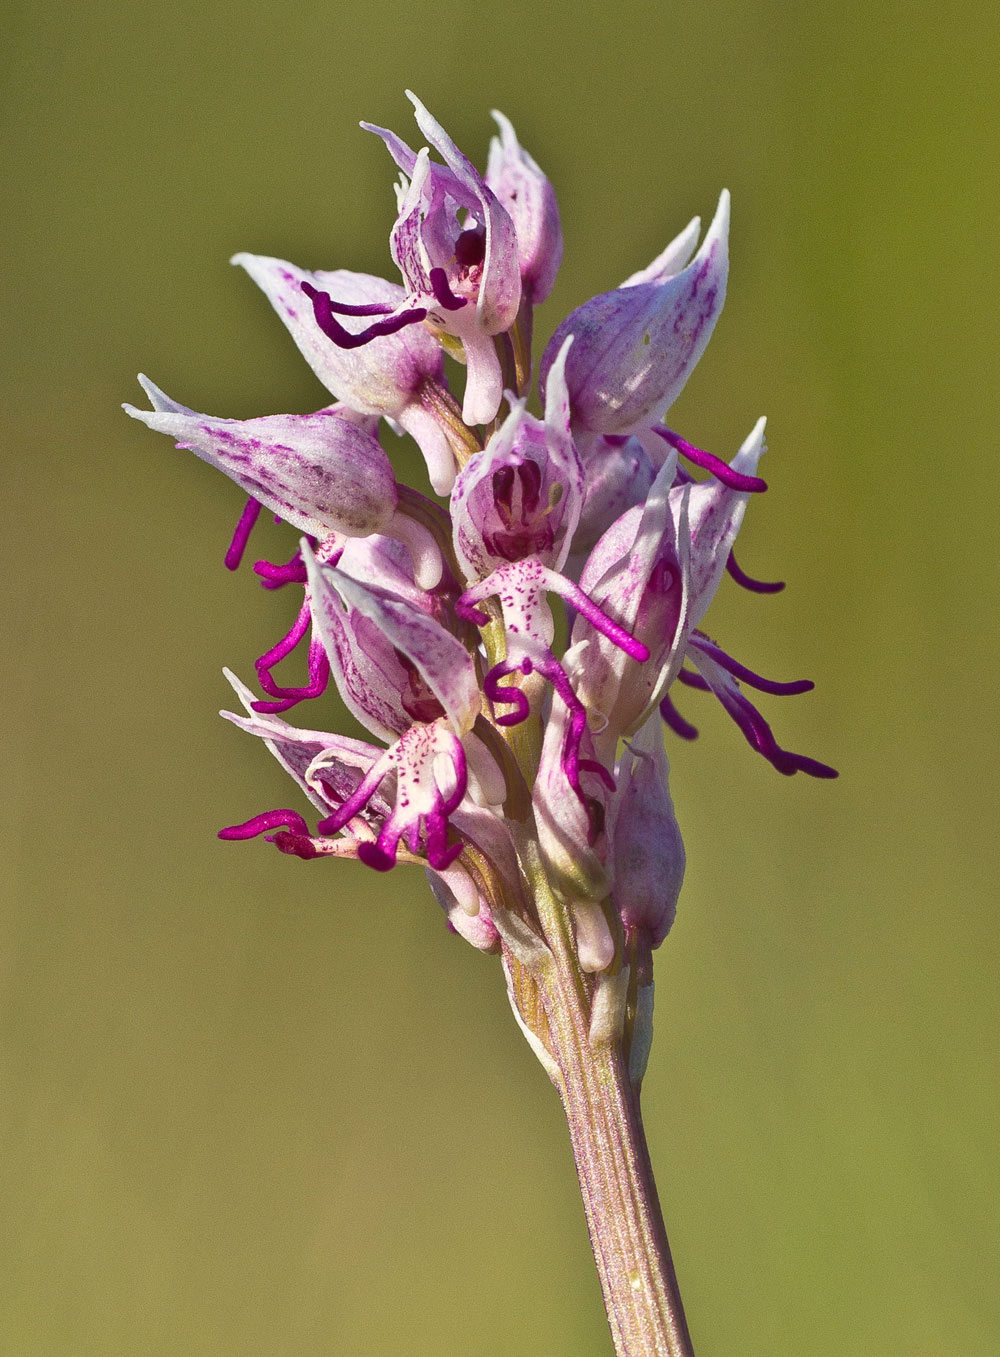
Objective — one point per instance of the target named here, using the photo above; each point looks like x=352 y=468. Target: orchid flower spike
x=512 y=649
x=514 y=652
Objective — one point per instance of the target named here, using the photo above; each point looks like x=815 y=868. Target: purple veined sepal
x=323 y=472
x=398 y=376
x=637 y=345
x=522 y=496
x=393 y=661
x=530 y=201
x=647 y=851
x=465 y=273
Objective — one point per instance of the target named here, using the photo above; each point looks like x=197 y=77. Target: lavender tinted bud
x=530 y=201
x=646 y=846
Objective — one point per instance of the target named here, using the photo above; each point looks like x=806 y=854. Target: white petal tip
x=504 y=123
x=751 y=450
x=594 y=959
x=594 y=944
x=443 y=485
x=241 y=690
x=719 y=226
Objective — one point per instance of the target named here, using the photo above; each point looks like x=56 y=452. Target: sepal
x=322 y=473
x=634 y=348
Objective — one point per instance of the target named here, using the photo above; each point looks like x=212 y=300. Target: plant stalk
x=576 y=1024
x=624 y=1219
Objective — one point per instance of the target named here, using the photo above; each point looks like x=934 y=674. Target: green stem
x=579 y=1022
x=627 y=1234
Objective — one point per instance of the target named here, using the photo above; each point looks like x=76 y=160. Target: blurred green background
x=258 y=1106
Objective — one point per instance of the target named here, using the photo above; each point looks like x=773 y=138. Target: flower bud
x=646 y=846
x=571 y=831
x=530 y=201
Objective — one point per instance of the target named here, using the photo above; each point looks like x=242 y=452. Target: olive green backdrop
x=258 y=1106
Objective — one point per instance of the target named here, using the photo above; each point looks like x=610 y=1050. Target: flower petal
x=297 y=749
x=636 y=347
x=530 y=201
x=445 y=664
x=500 y=290
x=322 y=472
x=647 y=848
x=379 y=378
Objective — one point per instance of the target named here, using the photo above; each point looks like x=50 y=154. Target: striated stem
x=629 y=1240
x=575 y=1024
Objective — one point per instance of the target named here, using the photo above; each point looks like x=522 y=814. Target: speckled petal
x=446 y=665
x=322 y=472
x=636 y=347
x=380 y=377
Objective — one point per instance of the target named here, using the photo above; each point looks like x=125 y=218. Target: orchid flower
x=513 y=656
x=457 y=250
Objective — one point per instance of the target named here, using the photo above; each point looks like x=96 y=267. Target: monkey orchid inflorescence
x=515 y=654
